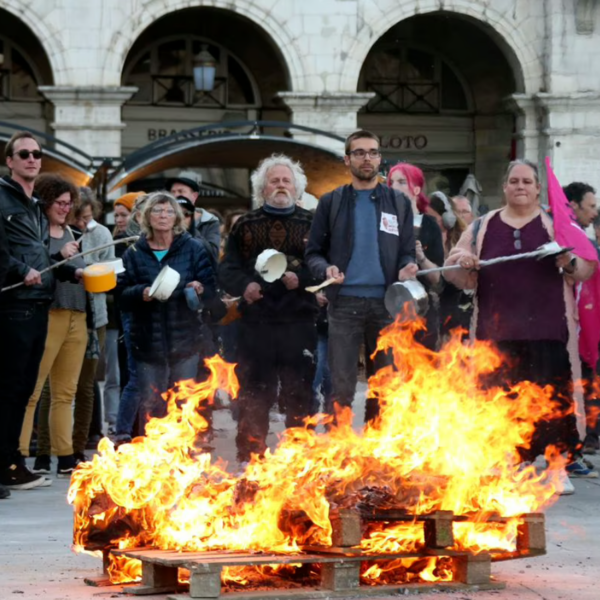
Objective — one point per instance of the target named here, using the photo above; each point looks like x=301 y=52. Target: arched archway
x=438 y=103
x=154 y=10
x=250 y=71
x=519 y=51
x=24 y=66
x=24 y=22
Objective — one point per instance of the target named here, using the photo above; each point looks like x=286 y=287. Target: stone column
x=527 y=135
x=331 y=112
x=565 y=127
x=89 y=117
x=571 y=128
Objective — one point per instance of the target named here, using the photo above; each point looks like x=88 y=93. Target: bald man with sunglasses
x=23 y=310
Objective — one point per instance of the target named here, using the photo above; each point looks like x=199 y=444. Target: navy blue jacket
x=168 y=329
x=332 y=235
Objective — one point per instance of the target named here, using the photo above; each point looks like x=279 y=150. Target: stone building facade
x=455 y=86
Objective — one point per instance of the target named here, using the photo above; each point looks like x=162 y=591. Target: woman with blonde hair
x=165 y=335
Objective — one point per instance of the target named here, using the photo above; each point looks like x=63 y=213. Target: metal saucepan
x=402 y=295
x=406 y=297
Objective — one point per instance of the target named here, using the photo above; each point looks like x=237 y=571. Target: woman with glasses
x=526 y=307
x=165 y=335
x=66 y=340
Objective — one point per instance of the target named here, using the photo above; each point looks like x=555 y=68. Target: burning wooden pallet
x=340 y=564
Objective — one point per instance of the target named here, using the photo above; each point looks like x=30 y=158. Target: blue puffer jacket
x=164 y=329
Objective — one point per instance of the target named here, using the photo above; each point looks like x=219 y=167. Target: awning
x=222 y=145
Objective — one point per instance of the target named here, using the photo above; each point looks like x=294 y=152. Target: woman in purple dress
x=526 y=307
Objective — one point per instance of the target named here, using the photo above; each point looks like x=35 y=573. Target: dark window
x=164 y=76
x=410 y=80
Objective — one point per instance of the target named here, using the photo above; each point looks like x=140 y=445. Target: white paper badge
x=389 y=223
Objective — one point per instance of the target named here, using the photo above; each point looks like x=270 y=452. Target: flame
x=443 y=441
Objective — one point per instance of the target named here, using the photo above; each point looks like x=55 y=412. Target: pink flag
x=569 y=234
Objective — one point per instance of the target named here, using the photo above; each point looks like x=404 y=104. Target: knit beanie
x=128 y=200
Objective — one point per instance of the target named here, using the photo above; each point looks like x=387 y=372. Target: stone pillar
x=527 y=135
x=89 y=118
x=332 y=112
x=571 y=128
x=565 y=127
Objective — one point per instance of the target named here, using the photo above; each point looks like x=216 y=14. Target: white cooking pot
x=116 y=264
x=271 y=265
x=165 y=284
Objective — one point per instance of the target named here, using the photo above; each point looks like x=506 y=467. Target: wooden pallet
x=340 y=563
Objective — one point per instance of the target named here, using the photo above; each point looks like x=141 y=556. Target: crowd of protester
x=296 y=351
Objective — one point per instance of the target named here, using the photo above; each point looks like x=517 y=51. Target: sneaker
x=4 y=492
x=565 y=486
x=66 y=466
x=41 y=465
x=46 y=483
x=591 y=450
x=19 y=477
x=80 y=457
x=577 y=468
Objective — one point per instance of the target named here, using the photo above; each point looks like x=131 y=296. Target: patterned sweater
x=260 y=230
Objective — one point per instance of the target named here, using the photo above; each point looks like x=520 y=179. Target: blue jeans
x=157 y=378
x=322 y=381
x=130 y=396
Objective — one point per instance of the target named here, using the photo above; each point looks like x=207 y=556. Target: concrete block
x=473 y=569
x=346 y=528
x=438 y=530
x=205 y=581
x=158 y=576
x=531 y=535
x=340 y=576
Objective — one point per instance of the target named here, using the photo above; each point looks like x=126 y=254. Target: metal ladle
x=402 y=294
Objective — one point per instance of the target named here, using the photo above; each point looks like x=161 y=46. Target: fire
x=442 y=442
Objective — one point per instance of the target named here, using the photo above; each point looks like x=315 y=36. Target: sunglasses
x=24 y=154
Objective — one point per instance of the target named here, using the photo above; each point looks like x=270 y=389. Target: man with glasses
x=462 y=208
x=363 y=236
x=23 y=310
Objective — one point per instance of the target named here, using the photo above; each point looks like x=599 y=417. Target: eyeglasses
x=163 y=211
x=64 y=205
x=360 y=153
x=517 y=236
x=24 y=154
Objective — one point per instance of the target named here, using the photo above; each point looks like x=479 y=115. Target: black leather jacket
x=27 y=234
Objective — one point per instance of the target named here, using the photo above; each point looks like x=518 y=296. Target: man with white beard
x=277 y=337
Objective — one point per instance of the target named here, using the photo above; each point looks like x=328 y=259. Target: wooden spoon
x=313 y=289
